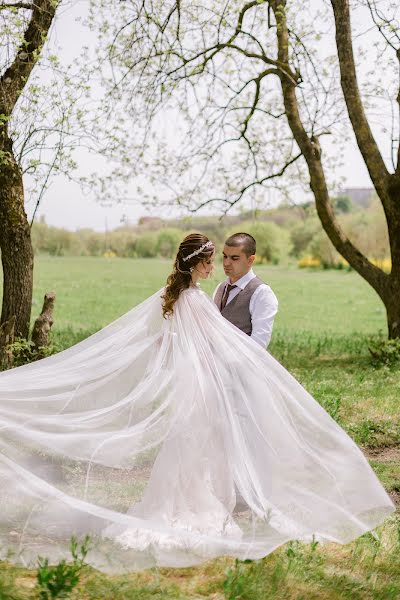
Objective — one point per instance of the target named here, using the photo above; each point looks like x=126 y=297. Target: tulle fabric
x=172 y=442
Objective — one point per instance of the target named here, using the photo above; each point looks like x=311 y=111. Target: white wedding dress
x=145 y=435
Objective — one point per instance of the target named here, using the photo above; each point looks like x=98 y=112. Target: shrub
x=23 y=351
x=385 y=352
x=321 y=248
x=54 y=240
x=236 y=580
x=301 y=235
x=168 y=242
x=273 y=242
x=375 y=433
x=146 y=245
x=309 y=262
x=122 y=242
x=57 y=581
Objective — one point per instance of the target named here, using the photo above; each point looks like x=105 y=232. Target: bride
x=144 y=434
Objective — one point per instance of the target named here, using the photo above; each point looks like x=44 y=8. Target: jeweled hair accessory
x=196 y=252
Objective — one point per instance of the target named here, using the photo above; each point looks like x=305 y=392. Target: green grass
x=325 y=322
x=321 y=332
x=367 y=569
x=93 y=291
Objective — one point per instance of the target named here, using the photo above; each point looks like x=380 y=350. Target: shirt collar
x=243 y=281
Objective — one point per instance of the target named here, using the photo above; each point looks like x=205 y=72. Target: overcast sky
x=65 y=205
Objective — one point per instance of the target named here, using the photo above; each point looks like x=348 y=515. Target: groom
x=243 y=298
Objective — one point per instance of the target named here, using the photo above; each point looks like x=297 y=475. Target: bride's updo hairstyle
x=187 y=258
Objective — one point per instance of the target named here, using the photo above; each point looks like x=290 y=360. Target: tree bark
x=311 y=151
x=15 y=241
x=391 y=300
x=6 y=338
x=348 y=78
x=43 y=324
x=393 y=220
x=387 y=185
x=15 y=244
x=386 y=285
x=393 y=315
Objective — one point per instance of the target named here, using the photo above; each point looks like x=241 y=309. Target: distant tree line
x=285 y=234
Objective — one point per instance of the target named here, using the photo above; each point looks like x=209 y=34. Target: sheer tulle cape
x=171 y=442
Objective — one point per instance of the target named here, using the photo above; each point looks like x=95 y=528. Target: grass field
x=325 y=322
x=93 y=291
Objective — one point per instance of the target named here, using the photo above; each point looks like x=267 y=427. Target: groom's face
x=236 y=263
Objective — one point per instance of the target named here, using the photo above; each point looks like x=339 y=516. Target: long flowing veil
x=172 y=441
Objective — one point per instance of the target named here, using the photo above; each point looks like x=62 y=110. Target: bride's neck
x=195 y=281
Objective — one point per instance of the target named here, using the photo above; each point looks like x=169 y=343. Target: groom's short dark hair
x=243 y=239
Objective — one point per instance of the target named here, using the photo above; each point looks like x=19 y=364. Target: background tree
x=47 y=113
x=250 y=96
x=273 y=242
x=28 y=23
x=168 y=242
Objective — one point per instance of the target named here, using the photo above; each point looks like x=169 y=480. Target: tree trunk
x=43 y=324
x=387 y=286
x=15 y=240
x=15 y=243
x=6 y=338
x=391 y=300
x=393 y=316
x=387 y=185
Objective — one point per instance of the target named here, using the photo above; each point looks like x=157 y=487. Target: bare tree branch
x=14 y=78
x=213 y=67
x=245 y=188
x=310 y=150
x=17 y=5
x=365 y=139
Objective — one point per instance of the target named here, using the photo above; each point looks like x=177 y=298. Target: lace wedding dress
x=147 y=433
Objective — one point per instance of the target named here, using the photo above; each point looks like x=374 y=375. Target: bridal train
x=146 y=433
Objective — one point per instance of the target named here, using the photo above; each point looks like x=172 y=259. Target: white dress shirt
x=263 y=308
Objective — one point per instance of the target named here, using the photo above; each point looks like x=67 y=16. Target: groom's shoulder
x=264 y=288
x=257 y=282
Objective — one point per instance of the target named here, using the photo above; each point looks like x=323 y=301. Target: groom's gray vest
x=238 y=309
